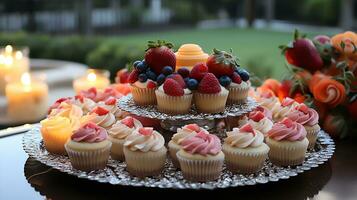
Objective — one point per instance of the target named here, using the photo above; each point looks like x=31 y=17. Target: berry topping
x=198 y=71
x=161 y=79
x=78 y=97
x=236 y=78
x=128 y=121
x=209 y=84
x=225 y=81
x=287 y=101
x=147 y=131
x=159 y=54
x=192 y=84
x=247 y=128
x=133 y=76
x=221 y=63
x=142 y=78
x=256 y=116
x=287 y=122
x=136 y=63
x=151 y=84
x=178 y=78
x=100 y=111
x=167 y=70
x=193 y=127
x=243 y=74
x=110 y=101
x=184 y=72
x=151 y=75
x=141 y=67
x=173 y=88
x=303 y=108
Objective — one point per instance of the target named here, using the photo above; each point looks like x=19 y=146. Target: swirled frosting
x=287 y=130
x=111 y=105
x=263 y=125
x=281 y=111
x=267 y=113
x=56 y=124
x=104 y=118
x=71 y=111
x=186 y=131
x=244 y=137
x=304 y=115
x=202 y=143
x=144 y=139
x=89 y=133
x=269 y=102
x=121 y=129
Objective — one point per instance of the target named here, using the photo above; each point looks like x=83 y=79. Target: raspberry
x=209 y=84
x=173 y=88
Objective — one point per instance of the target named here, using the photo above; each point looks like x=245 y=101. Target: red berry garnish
x=236 y=78
x=178 y=78
x=173 y=88
x=247 y=128
x=147 y=131
x=199 y=71
x=151 y=84
x=133 y=76
x=303 y=108
x=209 y=84
x=80 y=98
x=287 y=101
x=100 y=111
x=256 y=116
x=110 y=101
x=193 y=127
x=159 y=54
x=287 y=122
x=128 y=121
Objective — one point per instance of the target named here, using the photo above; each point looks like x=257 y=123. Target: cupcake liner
x=311 y=135
x=237 y=95
x=211 y=103
x=172 y=104
x=89 y=160
x=143 y=164
x=245 y=161
x=173 y=149
x=200 y=170
x=117 y=152
x=143 y=96
x=286 y=153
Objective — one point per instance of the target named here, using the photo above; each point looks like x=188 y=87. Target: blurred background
x=110 y=33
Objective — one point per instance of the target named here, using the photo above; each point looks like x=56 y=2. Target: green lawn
x=256 y=49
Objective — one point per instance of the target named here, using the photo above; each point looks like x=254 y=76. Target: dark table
x=24 y=178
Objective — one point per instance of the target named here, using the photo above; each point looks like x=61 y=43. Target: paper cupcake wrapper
x=143 y=96
x=117 y=152
x=237 y=95
x=173 y=149
x=89 y=160
x=287 y=153
x=200 y=170
x=311 y=135
x=143 y=164
x=173 y=105
x=210 y=103
x=240 y=161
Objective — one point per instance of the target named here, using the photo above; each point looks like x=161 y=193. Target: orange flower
x=348 y=38
x=315 y=79
x=271 y=84
x=304 y=75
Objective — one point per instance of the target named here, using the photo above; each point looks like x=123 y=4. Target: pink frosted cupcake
x=111 y=105
x=86 y=104
x=88 y=148
x=309 y=118
x=245 y=150
x=267 y=100
x=282 y=110
x=119 y=132
x=260 y=122
x=288 y=143
x=103 y=117
x=175 y=142
x=201 y=157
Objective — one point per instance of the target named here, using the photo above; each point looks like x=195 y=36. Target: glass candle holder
x=27 y=97
x=13 y=62
x=93 y=78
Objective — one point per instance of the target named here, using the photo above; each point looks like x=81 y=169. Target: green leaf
x=341 y=65
x=296 y=34
x=343 y=45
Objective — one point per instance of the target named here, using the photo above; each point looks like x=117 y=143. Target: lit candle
x=93 y=78
x=27 y=98
x=12 y=63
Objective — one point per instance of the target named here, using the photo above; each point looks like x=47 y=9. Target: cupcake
x=210 y=96
x=111 y=105
x=259 y=122
x=287 y=142
x=145 y=153
x=267 y=100
x=175 y=142
x=70 y=111
x=281 y=111
x=267 y=113
x=190 y=54
x=118 y=133
x=55 y=132
x=245 y=150
x=88 y=148
x=309 y=118
x=172 y=96
x=103 y=117
x=201 y=157
x=238 y=90
x=86 y=104
x=144 y=92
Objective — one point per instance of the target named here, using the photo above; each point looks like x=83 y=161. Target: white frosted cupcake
x=244 y=150
x=175 y=142
x=238 y=92
x=86 y=104
x=282 y=110
x=145 y=153
x=267 y=100
x=119 y=132
x=103 y=117
x=144 y=93
x=260 y=122
x=111 y=105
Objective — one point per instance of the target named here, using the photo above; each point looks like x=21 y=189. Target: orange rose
x=348 y=38
x=271 y=84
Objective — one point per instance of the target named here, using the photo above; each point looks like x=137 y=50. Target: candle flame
x=8 y=49
x=26 y=79
x=91 y=77
x=18 y=55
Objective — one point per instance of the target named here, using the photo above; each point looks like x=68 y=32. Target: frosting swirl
x=268 y=103
x=202 y=143
x=186 y=131
x=241 y=138
x=120 y=130
x=144 y=140
x=287 y=130
x=90 y=133
x=304 y=115
x=103 y=118
x=56 y=124
x=264 y=125
x=281 y=111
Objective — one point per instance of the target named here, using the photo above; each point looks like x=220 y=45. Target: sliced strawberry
x=303 y=108
x=133 y=76
x=209 y=84
x=256 y=116
x=122 y=76
x=110 y=101
x=287 y=122
x=100 y=111
x=287 y=101
x=199 y=71
x=193 y=127
x=80 y=98
x=179 y=79
x=173 y=88
x=247 y=128
x=128 y=121
x=151 y=84
x=236 y=78
x=147 y=131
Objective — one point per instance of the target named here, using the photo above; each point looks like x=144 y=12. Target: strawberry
x=221 y=63
x=287 y=122
x=100 y=111
x=57 y=103
x=302 y=53
x=256 y=116
x=178 y=78
x=159 y=54
x=146 y=131
x=198 y=71
x=173 y=88
x=148 y=121
x=122 y=76
x=193 y=127
x=91 y=93
x=303 y=108
x=151 y=84
x=128 y=121
x=110 y=101
x=247 y=128
x=209 y=84
x=133 y=76
x=236 y=78
x=287 y=101
x=79 y=97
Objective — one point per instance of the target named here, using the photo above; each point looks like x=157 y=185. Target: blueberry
x=167 y=70
x=192 y=84
x=142 y=78
x=184 y=72
x=186 y=79
x=144 y=63
x=225 y=81
x=236 y=69
x=141 y=67
x=244 y=74
x=161 y=79
x=136 y=63
x=151 y=75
